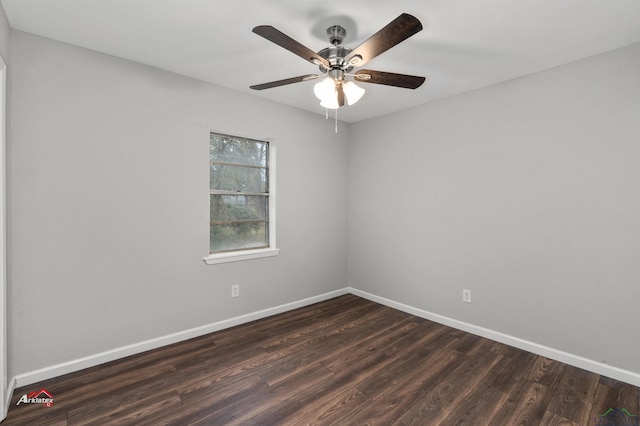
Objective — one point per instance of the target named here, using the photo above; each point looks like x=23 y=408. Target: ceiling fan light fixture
x=352 y=92
x=325 y=89
x=337 y=62
x=328 y=95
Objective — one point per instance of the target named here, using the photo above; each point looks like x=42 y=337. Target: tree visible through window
x=238 y=193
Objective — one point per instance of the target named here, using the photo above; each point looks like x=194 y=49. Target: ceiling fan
x=337 y=62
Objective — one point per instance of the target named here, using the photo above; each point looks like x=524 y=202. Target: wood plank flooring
x=346 y=361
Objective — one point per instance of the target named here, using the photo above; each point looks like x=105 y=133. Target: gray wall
x=109 y=204
x=5 y=35
x=526 y=193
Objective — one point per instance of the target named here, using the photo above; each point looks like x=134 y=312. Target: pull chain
x=326 y=117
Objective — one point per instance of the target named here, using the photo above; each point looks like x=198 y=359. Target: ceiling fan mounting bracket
x=336 y=34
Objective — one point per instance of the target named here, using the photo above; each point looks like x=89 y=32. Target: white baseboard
x=136 y=348
x=24 y=379
x=626 y=376
x=10 y=388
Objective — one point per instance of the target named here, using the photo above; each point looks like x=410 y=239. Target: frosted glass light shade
x=352 y=92
x=325 y=89
x=331 y=102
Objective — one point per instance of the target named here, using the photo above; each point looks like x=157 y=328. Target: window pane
x=227 y=149
x=245 y=235
x=238 y=178
x=233 y=208
x=239 y=220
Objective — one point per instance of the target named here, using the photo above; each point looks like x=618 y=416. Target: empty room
x=411 y=212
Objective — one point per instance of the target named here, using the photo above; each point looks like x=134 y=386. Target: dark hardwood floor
x=343 y=361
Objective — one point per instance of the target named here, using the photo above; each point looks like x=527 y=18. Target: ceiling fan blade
x=340 y=91
x=398 y=30
x=283 y=40
x=284 y=82
x=389 y=79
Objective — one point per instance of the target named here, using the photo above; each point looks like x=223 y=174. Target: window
x=241 y=199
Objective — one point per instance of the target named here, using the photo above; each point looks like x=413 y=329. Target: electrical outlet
x=235 y=290
x=466 y=296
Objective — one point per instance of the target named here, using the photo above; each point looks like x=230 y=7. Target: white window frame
x=271 y=250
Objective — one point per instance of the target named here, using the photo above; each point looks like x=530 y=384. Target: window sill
x=236 y=256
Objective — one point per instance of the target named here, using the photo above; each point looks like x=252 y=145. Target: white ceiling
x=465 y=44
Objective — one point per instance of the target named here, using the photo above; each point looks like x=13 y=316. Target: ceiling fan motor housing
x=335 y=55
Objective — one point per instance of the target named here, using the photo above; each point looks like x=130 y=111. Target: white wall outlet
x=466 y=296
x=235 y=290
